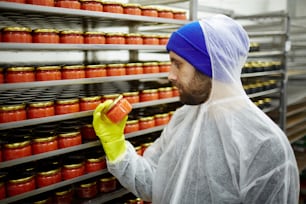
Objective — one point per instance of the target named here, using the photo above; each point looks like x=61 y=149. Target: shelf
x=296 y=120
x=263 y=93
x=301 y=160
x=297 y=136
x=53 y=186
x=36 y=121
x=64 y=47
x=266 y=53
x=266 y=34
x=256 y=74
x=64 y=82
x=111 y=18
x=108 y=197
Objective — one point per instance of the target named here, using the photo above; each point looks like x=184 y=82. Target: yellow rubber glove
x=110 y=134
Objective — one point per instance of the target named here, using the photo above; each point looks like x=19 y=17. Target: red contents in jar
x=131 y=97
x=149 y=11
x=64 y=106
x=11 y=113
x=73 y=4
x=63 y=196
x=73 y=72
x=108 y=184
x=133 y=68
x=150 y=39
x=165 y=13
x=95 y=71
x=16 y=35
x=113 y=7
x=2 y=190
x=92 y=5
x=133 y=38
x=132 y=9
x=87 y=190
x=161 y=119
x=131 y=126
x=138 y=150
x=165 y=92
x=145 y=146
x=164 y=66
x=70 y=171
x=46 y=178
x=94 y=38
x=149 y=95
x=1 y=74
x=45 y=36
x=175 y=91
x=17 y=1
x=17 y=150
x=88 y=132
x=69 y=139
x=44 y=144
x=39 y=109
x=71 y=37
x=179 y=15
x=118 y=109
x=114 y=38
x=95 y=164
x=115 y=70
x=89 y=103
x=150 y=67
x=163 y=39
x=47 y=73
x=20 y=74
x=146 y=122
x=41 y=2
x=20 y=185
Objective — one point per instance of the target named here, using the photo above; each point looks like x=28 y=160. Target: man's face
x=194 y=87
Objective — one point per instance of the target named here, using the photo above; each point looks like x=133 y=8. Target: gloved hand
x=110 y=134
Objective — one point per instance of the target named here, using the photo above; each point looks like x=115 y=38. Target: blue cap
x=188 y=42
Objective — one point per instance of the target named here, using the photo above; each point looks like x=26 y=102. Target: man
x=219 y=147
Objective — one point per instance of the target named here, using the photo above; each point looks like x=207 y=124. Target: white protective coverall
x=225 y=150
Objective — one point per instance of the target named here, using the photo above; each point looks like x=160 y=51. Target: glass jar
x=138 y=150
x=17 y=149
x=72 y=4
x=73 y=72
x=118 y=109
x=93 y=164
x=164 y=66
x=71 y=37
x=149 y=11
x=88 y=132
x=92 y=5
x=45 y=36
x=63 y=196
x=20 y=184
x=131 y=126
x=108 y=184
x=179 y=15
x=109 y=97
x=161 y=119
x=16 y=35
x=41 y=2
x=165 y=13
x=145 y=146
x=175 y=91
x=20 y=74
x=146 y=122
x=112 y=7
x=17 y=1
x=72 y=170
x=1 y=74
x=48 y=177
x=87 y=189
x=133 y=38
x=114 y=38
x=94 y=37
x=163 y=39
x=115 y=70
x=149 y=95
x=150 y=39
x=150 y=67
x=69 y=105
x=47 y=73
x=89 y=103
x=132 y=9
x=44 y=143
x=69 y=139
x=39 y=109
x=13 y=112
x=133 y=68
x=165 y=92
x=131 y=97
x=98 y=70
x=2 y=190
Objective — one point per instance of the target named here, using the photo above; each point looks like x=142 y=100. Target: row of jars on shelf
x=300 y=145
x=259 y=86
x=15 y=34
x=128 y=199
x=260 y=66
x=112 y=7
x=254 y=47
x=263 y=103
x=18 y=74
x=30 y=107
